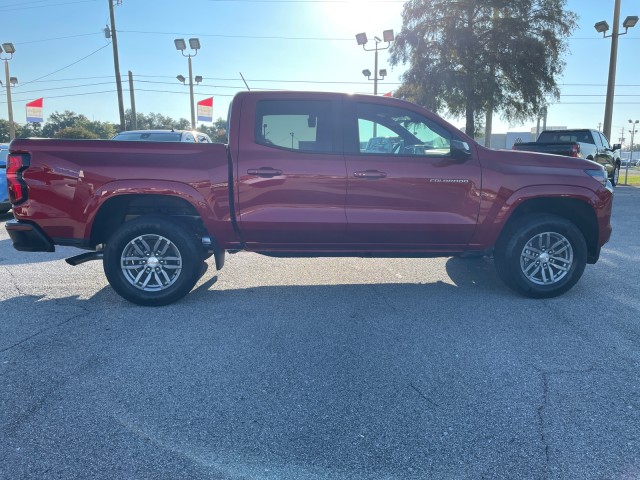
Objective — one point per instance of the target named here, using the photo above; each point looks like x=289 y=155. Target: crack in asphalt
x=428 y=400
x=39 y=332
x=541 y=422
x=15 y=280
x=545 y=399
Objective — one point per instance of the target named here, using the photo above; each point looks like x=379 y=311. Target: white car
x=191 y=136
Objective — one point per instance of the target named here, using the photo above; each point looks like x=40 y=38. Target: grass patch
x=633 y=178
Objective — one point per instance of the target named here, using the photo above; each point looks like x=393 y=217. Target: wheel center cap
x=544 y=257
x=153 y=262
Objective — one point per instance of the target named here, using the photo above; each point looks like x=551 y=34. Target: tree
x=467 y=56
x=30 y=130
x=217 y=132
x=76 y=132
x=153 y=121
x=58 y=121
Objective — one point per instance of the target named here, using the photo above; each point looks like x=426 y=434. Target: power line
x=220 y=35
x=60 y=38
x=22 y=7
x=67 y=66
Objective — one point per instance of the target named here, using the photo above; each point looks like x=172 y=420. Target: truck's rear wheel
x=541 y=256
x=152 y=261
x=615 y=176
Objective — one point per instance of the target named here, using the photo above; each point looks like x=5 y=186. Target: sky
x=63 y=56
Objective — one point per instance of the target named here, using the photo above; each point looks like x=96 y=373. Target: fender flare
x=121 y=188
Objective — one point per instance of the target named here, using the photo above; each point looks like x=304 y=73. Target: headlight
x=600 y=175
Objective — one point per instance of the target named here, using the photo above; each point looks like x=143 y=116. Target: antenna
x=245 y=82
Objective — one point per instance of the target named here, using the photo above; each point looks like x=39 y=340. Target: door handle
x=265 y=172
x=371 y=174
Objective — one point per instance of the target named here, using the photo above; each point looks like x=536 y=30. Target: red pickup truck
x=298 y=179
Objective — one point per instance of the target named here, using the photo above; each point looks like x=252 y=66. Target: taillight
x=16 y=164
x=575 y=150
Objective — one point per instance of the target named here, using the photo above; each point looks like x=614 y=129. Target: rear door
x=404 y=187
x=290 y=171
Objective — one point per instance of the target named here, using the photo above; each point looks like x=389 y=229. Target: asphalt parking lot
x=322 y=369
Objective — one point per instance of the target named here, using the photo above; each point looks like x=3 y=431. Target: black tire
x=152 y=278
x=526 y=262
x=615 y=175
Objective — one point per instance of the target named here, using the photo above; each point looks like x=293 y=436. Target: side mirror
x=460 y=150
x=616 y=146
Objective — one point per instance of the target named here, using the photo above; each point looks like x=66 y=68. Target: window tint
x=566 y=137
x=605 y=142
x=303 y=125
x=188 y=137
x=390 y=130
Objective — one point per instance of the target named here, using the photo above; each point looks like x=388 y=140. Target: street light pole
x=181 y=45
x=603 y=27
x=388 y=37
x=193 y=111
x=9 y=50
x=632 y=132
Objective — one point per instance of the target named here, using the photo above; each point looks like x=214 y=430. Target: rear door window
x=300 y=125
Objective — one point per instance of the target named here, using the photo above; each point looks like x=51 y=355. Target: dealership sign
x=205 y=110
x=34 y=111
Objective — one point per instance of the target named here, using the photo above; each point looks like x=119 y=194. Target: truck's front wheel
x=541 y=256
x=152 y=261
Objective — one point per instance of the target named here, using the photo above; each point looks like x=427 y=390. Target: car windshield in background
x=149 y=137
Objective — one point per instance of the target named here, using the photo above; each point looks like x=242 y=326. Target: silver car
x=191 y=136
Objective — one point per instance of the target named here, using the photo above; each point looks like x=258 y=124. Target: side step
x=84 y=257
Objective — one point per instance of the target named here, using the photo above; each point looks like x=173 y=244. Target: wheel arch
x=120 y=209
x=579 y=212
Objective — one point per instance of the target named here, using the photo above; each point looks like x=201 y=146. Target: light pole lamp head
x=181 y=78
x=366 y=72
x=9 y=48
x=180 y=44
x=194 y=43
x=13 y=81
x=601 y=27
x=383 y=72
x=630 y=21
x=198 y=78
x=361 y=38
x=388 y=36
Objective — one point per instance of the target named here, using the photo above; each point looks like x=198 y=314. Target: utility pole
x=632 y=132
x=134 y=119
x=116 y=63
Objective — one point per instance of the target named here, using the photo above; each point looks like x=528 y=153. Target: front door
x=406 y=184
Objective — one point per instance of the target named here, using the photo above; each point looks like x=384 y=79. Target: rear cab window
x=298 y=125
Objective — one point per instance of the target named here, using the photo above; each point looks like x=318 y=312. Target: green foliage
x=153 y=121
x=465 y=55
x=69 y=124
x=217 y=132
x=77 y=132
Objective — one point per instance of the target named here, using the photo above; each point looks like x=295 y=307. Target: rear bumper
x=28 y=237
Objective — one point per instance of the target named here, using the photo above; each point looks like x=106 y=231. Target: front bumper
x=28 y=237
